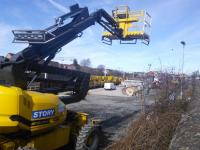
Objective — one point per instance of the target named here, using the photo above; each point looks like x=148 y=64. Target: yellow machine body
x=51 y=140
x=27 y=110
x=35 y=113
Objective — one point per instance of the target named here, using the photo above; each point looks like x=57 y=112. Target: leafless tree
x=75 y=63
x=102 y=67
x=85 y=62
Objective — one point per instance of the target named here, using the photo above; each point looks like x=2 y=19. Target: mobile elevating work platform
x=32 y=120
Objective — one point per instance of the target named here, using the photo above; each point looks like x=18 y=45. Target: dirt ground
x=115 y=110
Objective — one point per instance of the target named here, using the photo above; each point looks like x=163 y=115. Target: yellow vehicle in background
x=98 y=81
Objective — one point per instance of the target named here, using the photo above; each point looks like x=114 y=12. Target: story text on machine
x=43 y=113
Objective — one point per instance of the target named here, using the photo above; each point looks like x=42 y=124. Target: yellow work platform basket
x=134 y=24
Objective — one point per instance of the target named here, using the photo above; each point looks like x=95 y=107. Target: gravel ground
x=115 y=110
x=101 y=91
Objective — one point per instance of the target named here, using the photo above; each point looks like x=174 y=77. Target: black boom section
x=43 y=43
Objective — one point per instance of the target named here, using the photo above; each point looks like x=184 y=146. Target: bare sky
x=172 y=22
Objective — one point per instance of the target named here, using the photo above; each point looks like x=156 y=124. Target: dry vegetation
x=154 y=129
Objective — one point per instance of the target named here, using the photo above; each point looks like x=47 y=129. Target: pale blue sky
x=172 y=21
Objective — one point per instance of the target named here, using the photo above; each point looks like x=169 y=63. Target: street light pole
x=160 y=64
x=149 y=65
x=183 y=57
